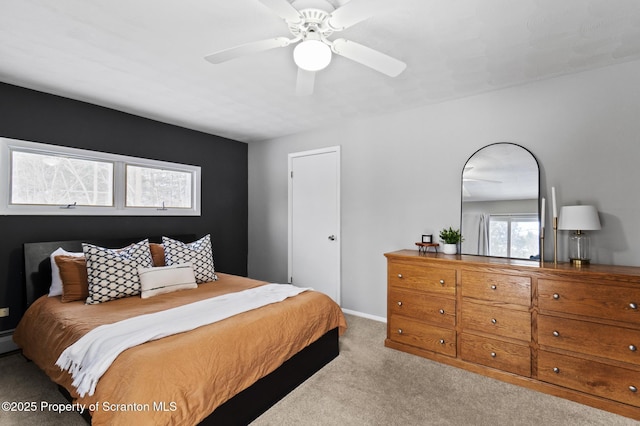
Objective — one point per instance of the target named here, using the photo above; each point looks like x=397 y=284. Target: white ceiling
x=146 y=56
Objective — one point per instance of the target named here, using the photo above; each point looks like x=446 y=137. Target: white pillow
x=56 y=282
x=165 y=279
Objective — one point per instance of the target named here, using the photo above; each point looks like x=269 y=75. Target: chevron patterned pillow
x=198 y=253
x=113 y=273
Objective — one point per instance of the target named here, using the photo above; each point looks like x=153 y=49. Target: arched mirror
x=500 y=213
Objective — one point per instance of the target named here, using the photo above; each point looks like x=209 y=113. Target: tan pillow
x=157 y=254
x=73 y=272
x=56 y=282
x=166 y=279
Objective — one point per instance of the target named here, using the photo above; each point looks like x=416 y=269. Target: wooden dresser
x=570 y=332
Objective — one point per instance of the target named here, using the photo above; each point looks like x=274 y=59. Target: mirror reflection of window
x=514 y=236
x=500 y=203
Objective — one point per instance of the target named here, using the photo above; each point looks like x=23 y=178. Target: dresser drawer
x=495 y=286
x=494 y=353
x=421 y=335
x=593 y=300
x=496 y=320
x=422 y=306
x=607 y=341
x=420 y=277
x=619 y=384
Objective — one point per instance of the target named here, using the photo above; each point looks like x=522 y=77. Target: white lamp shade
x=582 y=218
x=312 y=55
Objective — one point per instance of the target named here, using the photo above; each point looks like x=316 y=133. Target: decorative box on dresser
x=567 y=331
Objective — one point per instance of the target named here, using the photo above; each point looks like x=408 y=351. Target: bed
x=228 y=372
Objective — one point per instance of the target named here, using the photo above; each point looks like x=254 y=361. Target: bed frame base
x=249 y=404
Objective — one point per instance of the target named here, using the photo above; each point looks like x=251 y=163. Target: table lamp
x=579 y=219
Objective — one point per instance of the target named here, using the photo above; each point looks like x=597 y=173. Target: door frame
x=291 y=156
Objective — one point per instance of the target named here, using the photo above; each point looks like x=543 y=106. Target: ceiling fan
x=311 y=25
x=467 y=178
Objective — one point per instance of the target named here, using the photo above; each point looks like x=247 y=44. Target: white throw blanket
x=89 y=357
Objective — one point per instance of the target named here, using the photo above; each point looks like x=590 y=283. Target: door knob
x=332 y=237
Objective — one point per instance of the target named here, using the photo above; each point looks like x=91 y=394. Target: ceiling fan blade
x=353 y=12
x=366 y=56
x=305 y=82
x=247 y=49
x=284 y=9
x=480 y=180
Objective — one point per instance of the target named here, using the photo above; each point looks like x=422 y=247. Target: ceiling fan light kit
x=311 y=26
x=312 y=55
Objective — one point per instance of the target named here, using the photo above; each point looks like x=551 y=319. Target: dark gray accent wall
x=39 y=117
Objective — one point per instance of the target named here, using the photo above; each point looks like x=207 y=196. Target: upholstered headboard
x=37 y=264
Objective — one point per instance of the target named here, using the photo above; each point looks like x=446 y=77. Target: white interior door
x=314 y=220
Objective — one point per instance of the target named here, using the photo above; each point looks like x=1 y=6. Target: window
x=513 y=236
x=44 y=179
x=149 y=187
x=54 y=180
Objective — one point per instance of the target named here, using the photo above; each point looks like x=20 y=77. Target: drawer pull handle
x=556 y=333
x=494 y=287
x=399 y=303
x=633 y=388
x=442 y=282
x=399 y=275
x=399 y=331
x=441 y=341
x=493 y=320
x=556 y=370
x=633 y=348
x=556 y=296
x=633 y=305
x=493 y=354
x=441 y=311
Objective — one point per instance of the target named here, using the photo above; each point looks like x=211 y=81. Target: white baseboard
x=363 y=315
x=6 y=342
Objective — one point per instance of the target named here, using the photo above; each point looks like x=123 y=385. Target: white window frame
x=119 y=188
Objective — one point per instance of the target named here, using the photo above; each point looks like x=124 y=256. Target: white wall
x=401 y=172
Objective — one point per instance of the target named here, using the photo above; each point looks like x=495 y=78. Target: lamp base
x=579 y=248
x=579 y=262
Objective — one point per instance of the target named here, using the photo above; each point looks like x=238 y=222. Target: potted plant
x=450 y=237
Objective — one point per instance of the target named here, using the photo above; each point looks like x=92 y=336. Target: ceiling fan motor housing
x=314 y=21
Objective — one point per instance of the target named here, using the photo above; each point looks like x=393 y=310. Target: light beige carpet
x=367 y=384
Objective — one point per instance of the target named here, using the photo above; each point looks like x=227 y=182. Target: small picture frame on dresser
x=427 y=238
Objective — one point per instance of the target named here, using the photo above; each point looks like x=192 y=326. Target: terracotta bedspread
x=179 y=379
